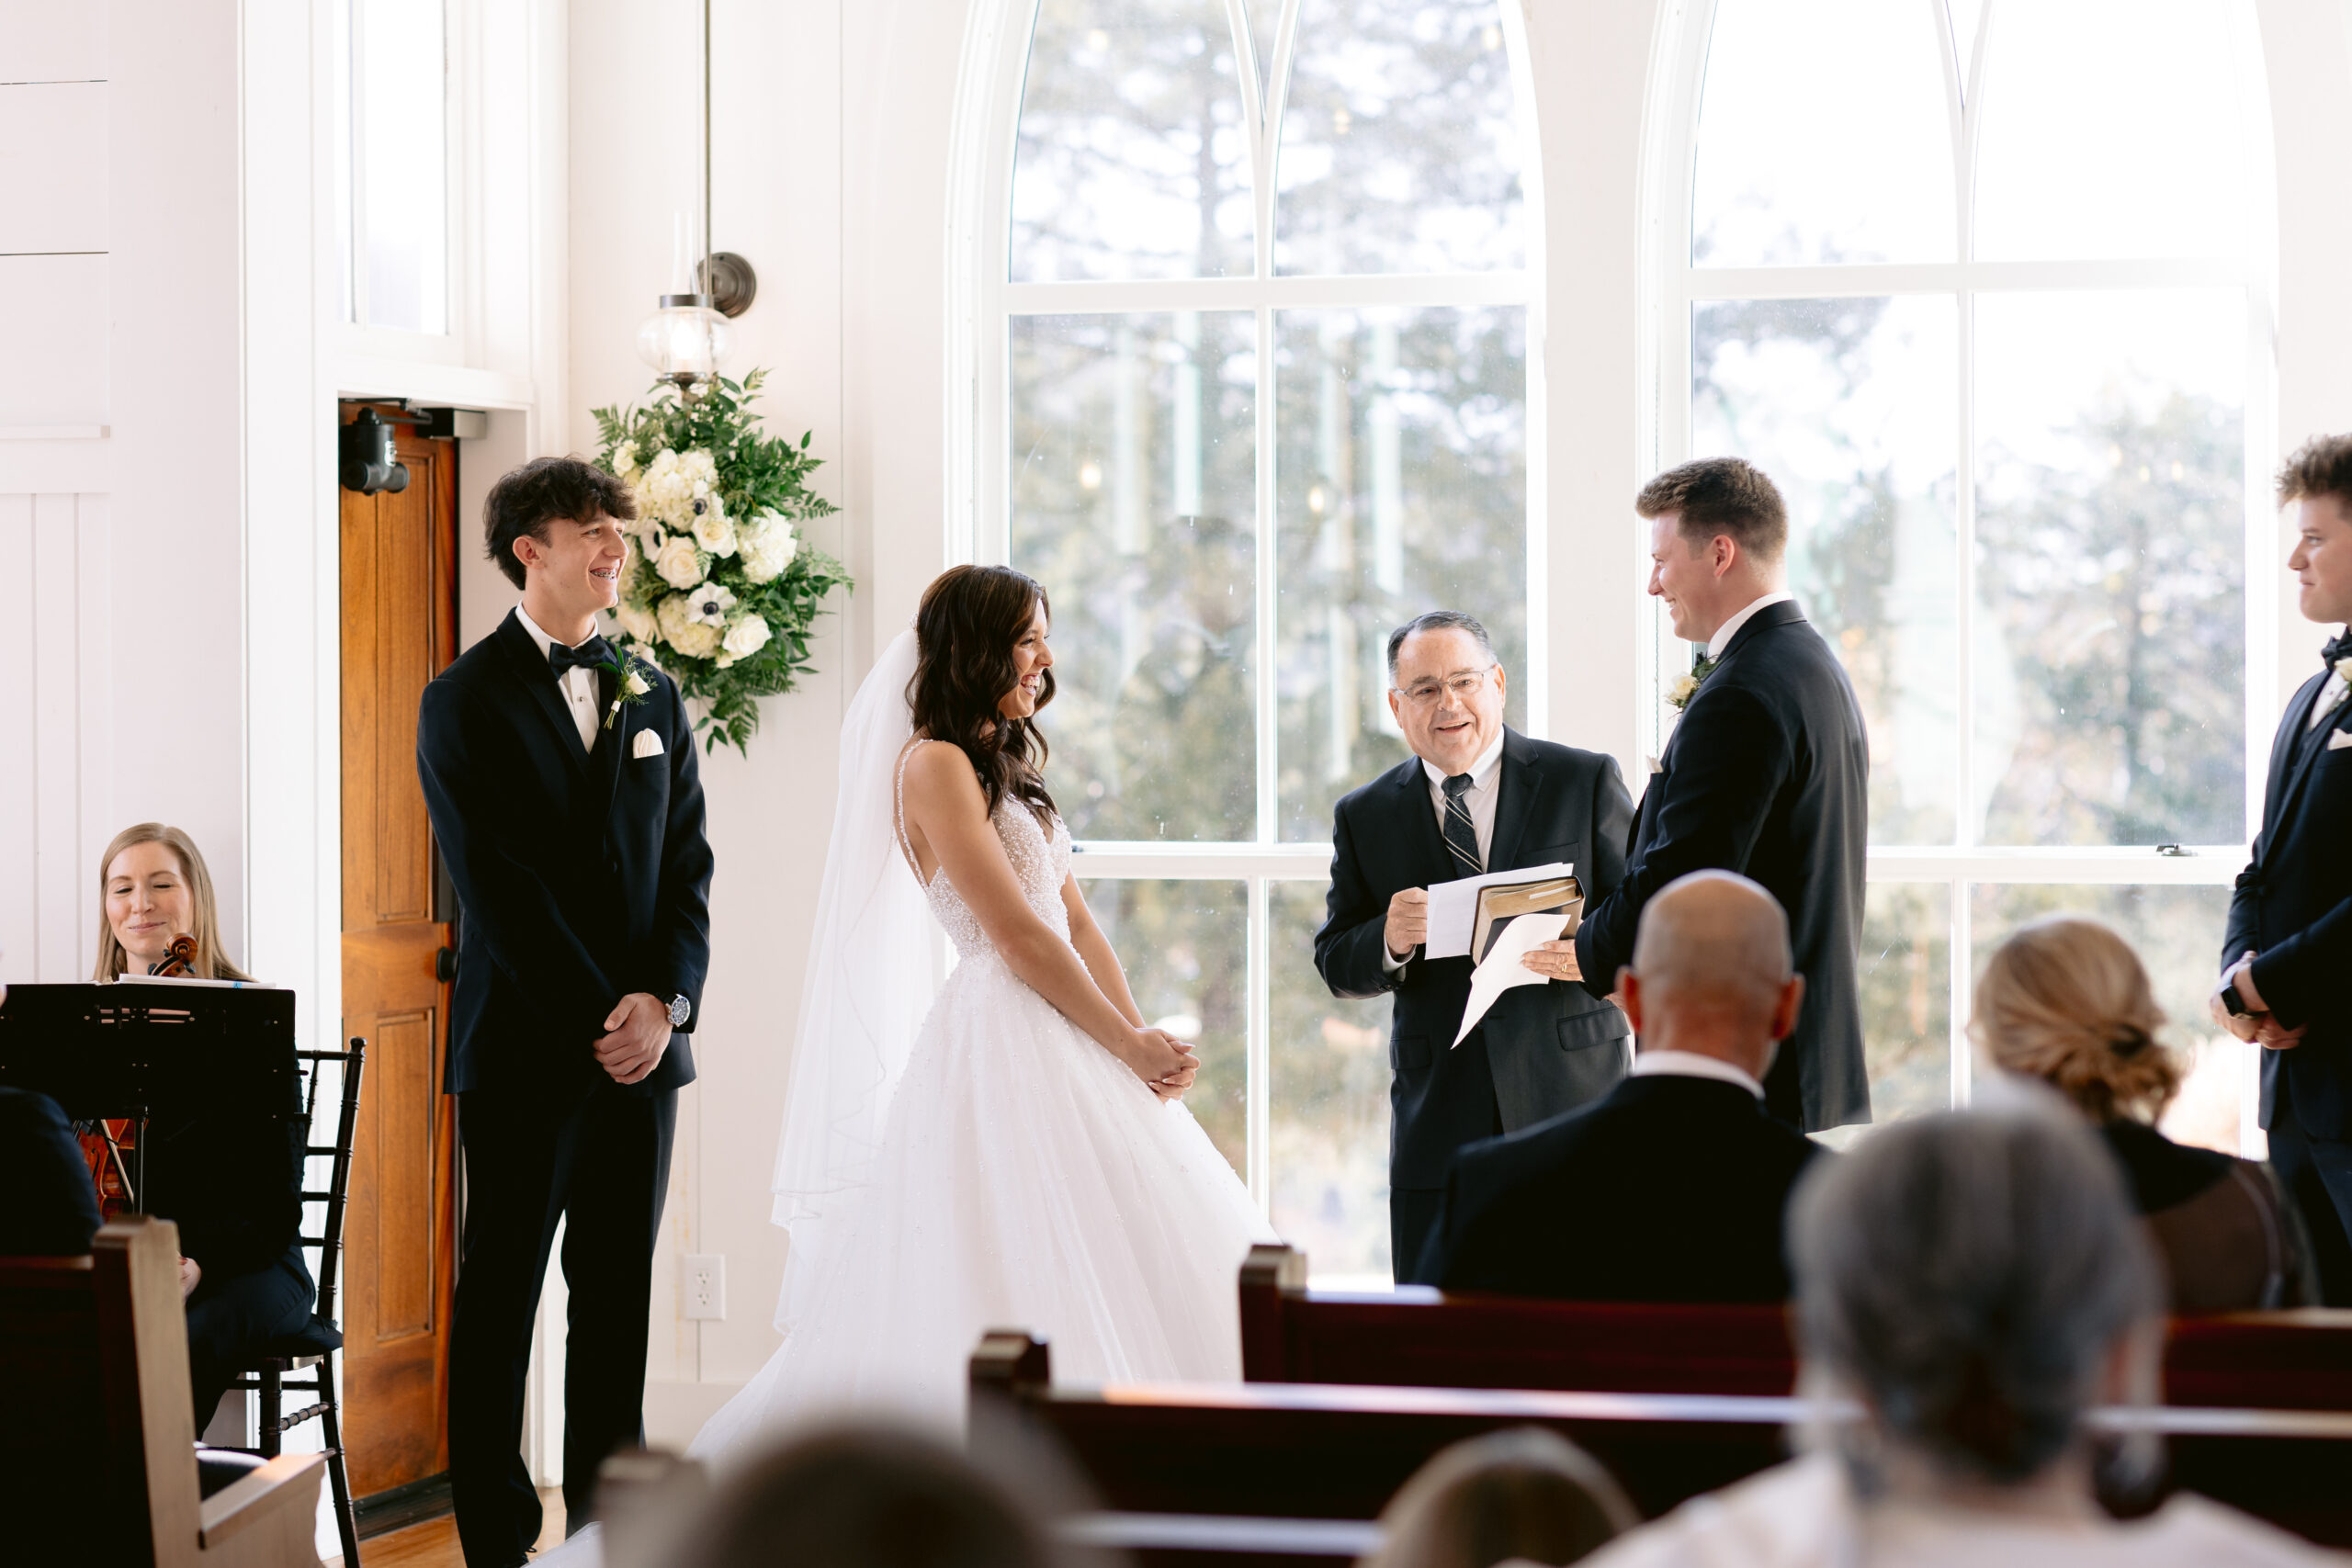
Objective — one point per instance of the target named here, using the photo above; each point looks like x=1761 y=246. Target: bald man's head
x=1712 y=970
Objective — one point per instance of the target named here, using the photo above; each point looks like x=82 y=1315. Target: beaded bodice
x=1040 y=860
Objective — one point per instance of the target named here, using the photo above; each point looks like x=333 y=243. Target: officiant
x=1475 y=796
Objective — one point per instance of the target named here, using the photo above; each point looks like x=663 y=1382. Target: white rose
x=637 y=685
x=683 y=632
x=710 y=604
x=678 y=561
x=625 y=458
x=767 y=548
x=714 y=530
x=746 y=634
x=638 y=623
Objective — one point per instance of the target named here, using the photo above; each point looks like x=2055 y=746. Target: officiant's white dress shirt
x=1729 y=629
x=578 y=683
x=1486 y=781
x=1691 y=1064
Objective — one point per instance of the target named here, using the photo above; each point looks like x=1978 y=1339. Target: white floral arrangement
x=721 y=590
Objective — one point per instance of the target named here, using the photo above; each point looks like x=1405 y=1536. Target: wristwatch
x=2233 y=1000
x=680 y=1010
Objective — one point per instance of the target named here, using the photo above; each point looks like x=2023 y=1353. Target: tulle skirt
x=1027 y=1179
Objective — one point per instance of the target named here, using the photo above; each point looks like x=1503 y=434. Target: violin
x=179 y=959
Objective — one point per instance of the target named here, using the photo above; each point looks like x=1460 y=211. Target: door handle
x=445 y=965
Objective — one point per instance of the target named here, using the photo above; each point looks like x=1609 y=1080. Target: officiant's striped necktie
x=1460 y=833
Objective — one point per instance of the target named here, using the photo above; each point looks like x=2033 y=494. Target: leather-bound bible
x=1504 y=901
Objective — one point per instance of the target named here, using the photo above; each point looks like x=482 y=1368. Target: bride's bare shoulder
x=938 y=769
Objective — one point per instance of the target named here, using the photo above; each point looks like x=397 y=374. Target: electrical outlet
x=702 y=1286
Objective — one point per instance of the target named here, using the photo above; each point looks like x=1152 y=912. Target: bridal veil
x=873 y=971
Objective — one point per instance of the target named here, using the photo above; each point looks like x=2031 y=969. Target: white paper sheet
x=1501 y=968
x=1453 y=906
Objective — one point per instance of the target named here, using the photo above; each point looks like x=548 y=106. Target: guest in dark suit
x=1477 y=796
x=229 y=1176
x=1767 y=774
x=2287 y=956
x=569 y=814
x=1672 y=1188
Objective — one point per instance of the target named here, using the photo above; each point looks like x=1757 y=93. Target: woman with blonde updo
x=2068 y=1001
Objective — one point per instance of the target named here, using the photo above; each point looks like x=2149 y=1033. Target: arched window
x=1265 y=307
x=1984 y=286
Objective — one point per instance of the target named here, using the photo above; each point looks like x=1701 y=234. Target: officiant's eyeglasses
x=1461 y=685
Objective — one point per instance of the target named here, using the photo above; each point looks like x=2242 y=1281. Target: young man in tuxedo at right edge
x=569 y=811
x=2286 y=958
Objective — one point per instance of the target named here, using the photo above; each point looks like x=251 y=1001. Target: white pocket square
x=2338 y=740
x=647 y=744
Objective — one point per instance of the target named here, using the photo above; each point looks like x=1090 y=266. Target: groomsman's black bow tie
x=2338 y=647
x=587 y=656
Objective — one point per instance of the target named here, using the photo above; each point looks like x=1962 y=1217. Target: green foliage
x=755 y=478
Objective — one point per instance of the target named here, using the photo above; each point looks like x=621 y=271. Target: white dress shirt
x=1724 y=633
x=578 y=683
x=1691 y=1064
x=1486 y=788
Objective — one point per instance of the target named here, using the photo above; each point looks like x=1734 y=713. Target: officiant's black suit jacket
x=2293 y=907
x=1670 y=1189
x=580 y=876
x=1767 y=774
x=1541 y=1049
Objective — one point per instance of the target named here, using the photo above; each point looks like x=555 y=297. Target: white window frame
x=462 y=154
x=984 y=302
x=1678 y=286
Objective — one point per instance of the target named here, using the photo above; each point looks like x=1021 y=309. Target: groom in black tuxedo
x=2287 y=957
x=563 y=792
x=1767 y=774
x=1475 y=796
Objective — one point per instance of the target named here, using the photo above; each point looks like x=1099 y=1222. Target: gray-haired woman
x=1976 y=1283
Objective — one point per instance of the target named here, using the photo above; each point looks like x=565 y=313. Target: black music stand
x=134 y=1051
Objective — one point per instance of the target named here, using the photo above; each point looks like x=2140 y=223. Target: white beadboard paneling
x=63 y=610
x=19 y=824
x=53 y=165
x=50 y=40
x=53 y=354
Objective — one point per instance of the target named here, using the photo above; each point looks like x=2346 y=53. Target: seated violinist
x=232 y=1183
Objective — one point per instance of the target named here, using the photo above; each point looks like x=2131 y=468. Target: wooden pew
x=1421 y=1337
x=1247 y=1452
x=98 y=1445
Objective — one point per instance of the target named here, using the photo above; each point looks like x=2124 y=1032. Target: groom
x=1767 y=774
x=564 y=797
x=1475 y=797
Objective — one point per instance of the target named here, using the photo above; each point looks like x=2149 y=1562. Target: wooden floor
x=434 y=1543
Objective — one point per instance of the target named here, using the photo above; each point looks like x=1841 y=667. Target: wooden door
x=399 y=621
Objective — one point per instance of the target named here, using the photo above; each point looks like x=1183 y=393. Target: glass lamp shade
x=685 y=340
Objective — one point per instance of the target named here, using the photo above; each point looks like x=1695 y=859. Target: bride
x=1018 y=1154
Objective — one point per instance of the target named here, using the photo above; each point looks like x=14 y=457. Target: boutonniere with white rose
x=1685 y=687
x=629 y=685
x=2333 y=696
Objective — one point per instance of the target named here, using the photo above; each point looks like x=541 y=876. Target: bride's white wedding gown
x=1025 y=1179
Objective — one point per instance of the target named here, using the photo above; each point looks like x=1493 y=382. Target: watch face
x=678 y=1010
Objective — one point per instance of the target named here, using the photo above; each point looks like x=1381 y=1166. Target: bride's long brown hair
x=970 y=620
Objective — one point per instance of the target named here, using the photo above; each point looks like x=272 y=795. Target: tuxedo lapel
x=1521 y=786
x=2313 y=742
x=611 y=754
x=530 y=668
x=1419 y=822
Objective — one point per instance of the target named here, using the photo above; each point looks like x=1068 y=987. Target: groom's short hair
x=2322 y=466
x=1721 y=495
x=542 y=491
